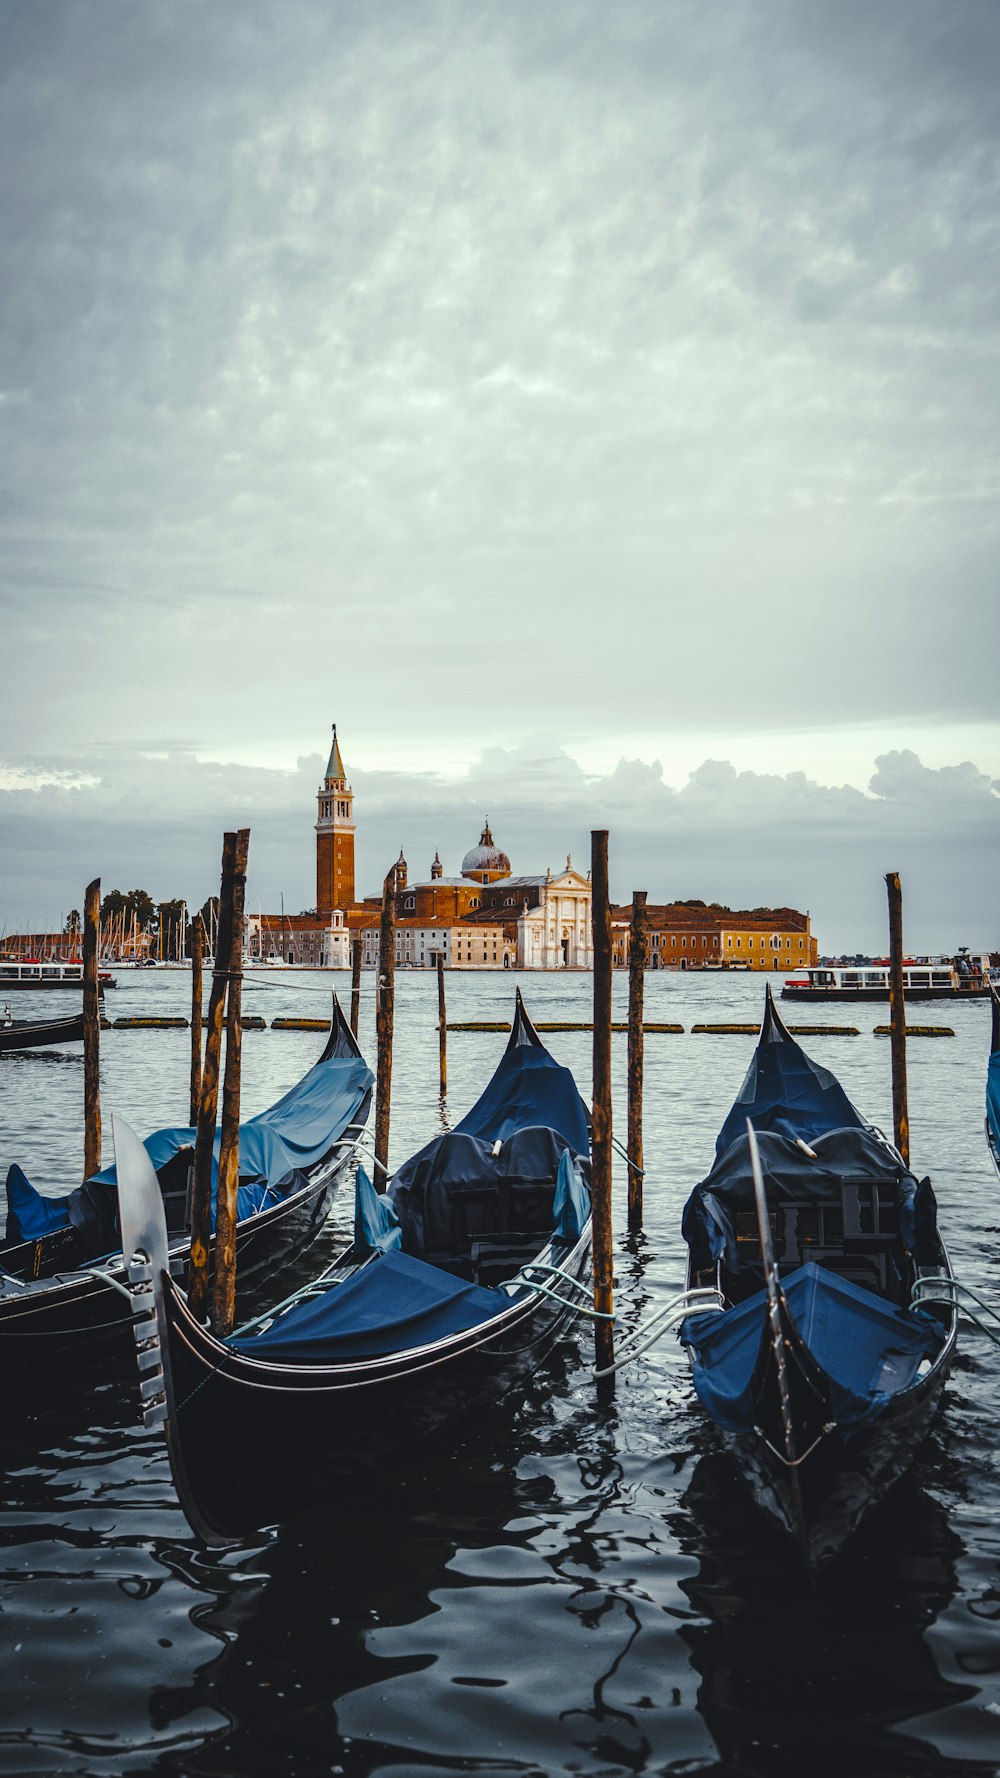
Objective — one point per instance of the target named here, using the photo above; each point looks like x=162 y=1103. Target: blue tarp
x=277 y=1145
x=571 y=1207
x=376 y=1225
x=29 y=1215
x=529 y=1087
x=785 y=1092
x=392 y=1304
x=295 y=1133
x=868 y=1349
x=993 y=1095
x=457 y=1188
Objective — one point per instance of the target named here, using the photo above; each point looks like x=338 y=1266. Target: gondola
x=993 y=1083
x=62 y=1277
x=32 y=1034
x=458 y=1280
x=833 y=1327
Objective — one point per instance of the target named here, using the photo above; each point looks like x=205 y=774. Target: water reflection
x=794 y=1678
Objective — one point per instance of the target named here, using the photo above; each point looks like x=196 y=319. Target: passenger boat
x=944 y=978
x=823 y=1356
x=36 y=975
x=993 y=1083
x=31 y=1034
x=62 y=1275
x=458 y=1280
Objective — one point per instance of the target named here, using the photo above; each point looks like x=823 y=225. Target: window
x=684 y=941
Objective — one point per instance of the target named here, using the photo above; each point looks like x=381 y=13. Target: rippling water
x=559 y=1587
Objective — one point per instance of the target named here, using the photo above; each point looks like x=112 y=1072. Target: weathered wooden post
x=636 y=1039
x=201 y=1193
x=196 y=1016
x=601 y=1131
x=224 y=1277
x=897 y=1017
x=355 y=984
x=384 y=1006
x=442 y=1028
x=91 y=1032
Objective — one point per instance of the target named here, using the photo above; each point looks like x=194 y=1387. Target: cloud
x=647 y=354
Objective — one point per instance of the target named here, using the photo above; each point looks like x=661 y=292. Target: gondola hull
x=250 y=1442
x=839 y=1483
x=32 y=1034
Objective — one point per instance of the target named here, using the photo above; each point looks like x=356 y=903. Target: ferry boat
x=60 y=972
x=924 y=978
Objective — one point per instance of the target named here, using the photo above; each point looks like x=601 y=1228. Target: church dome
x=485 y=861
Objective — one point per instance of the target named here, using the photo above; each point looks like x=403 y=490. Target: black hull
x=251 y=1442
x=73 y=1321
x=881 y=995
x=30 y=1034
x=842 y=1480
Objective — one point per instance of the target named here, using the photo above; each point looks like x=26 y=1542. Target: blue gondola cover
x=571 y=1207
x=785 y=1092
x=867 y=1348
x=529 y=1087
x=376 y=1225
x=392 y=1304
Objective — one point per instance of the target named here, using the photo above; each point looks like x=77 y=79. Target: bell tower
x=334 y=836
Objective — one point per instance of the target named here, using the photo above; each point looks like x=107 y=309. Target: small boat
x=36 y=975
x=62 y=1275
x=993 y=1083
x=458 y=1280
x=939 y=978
x=32 y=1034
x=834 y=1325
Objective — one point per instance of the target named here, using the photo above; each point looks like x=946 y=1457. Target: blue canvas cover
x=392 y=1304
x=30 y=1216
x=275 y=1148
x=376 y=1225
x=867 y=1348
x=840 y=1155
x=529 y=1087
x=785 y=1092
x=571 y=1208
x=456 y=1188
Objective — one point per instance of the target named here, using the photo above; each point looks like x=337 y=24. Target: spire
x=437 y=868
x=335 y=765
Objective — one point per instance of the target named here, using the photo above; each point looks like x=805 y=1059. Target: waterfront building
x=486 y=917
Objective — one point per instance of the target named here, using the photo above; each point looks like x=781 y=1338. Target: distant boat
x=959 y=978
x=34 y=974
x=31 y=1034
x=836 y=1325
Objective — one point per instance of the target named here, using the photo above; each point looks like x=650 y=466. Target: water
x=559 y=1587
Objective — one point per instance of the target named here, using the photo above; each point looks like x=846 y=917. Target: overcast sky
x=593 y=409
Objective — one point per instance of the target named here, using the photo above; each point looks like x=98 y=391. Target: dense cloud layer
x=745 y=838
x=472 y=370
x=564 y=350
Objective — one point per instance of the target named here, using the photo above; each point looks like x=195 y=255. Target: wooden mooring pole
x=442 y=1029
x=355 y=985
x=636 y=1041
x=224 y=1275
x=384 y=1006
x=91 y=1032
x=897 y=1017
x=201 y=1191
x=196 y=1015
x=600 y=1136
